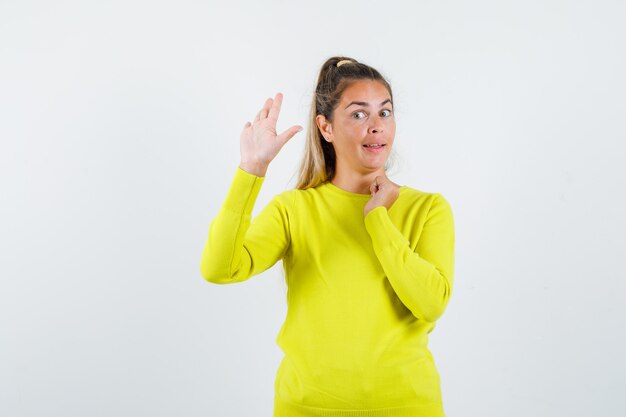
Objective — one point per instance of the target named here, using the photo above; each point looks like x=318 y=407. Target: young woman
x=368 y=263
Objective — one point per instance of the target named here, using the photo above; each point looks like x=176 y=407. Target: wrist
x=368 y=210
x=255 y=168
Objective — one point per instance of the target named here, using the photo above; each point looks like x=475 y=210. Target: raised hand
x=259 y=142
x=384 y=193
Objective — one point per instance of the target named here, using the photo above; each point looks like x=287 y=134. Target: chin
x=378 y=162
x=374 y=167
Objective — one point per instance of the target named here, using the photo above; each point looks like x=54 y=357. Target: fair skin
x=259 y=141
x=363 y=116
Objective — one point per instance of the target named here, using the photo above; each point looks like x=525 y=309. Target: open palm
x=259 y=141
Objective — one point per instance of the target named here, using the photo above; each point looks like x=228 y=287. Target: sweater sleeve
x=239 y=247
x=423 y=278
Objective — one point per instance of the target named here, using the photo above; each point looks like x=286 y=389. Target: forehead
x=365 y=90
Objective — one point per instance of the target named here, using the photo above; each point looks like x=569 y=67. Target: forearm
x=422 y=288
x=422 y=277
x=224 y=258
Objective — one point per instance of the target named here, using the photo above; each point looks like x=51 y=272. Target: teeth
x=373 y=145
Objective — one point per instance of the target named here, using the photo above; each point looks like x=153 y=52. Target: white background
x=119 y=127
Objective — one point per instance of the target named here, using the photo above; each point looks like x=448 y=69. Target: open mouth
x=374 y=147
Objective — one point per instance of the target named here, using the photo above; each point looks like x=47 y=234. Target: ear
x=325 y=127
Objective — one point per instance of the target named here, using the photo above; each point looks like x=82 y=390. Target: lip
x=375 y=150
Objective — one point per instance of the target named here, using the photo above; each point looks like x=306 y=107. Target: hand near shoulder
x=384 y=193
x=259 y=141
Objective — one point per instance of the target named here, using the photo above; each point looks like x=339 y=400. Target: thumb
x=289 y=133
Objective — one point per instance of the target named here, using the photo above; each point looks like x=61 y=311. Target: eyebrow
x=363 y=103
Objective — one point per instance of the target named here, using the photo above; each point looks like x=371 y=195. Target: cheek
x=350 y=136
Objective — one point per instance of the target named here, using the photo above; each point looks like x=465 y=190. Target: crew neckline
x=346 y=193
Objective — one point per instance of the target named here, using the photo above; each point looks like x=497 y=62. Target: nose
x=376 y=125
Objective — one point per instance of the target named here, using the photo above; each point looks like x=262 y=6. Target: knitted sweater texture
x=363 y=293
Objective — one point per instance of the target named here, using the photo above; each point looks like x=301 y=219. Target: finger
x=373 y=187
x=258 y=115
x=382 y=181
x=266 y=108
x=275 y=109
x=289 y=133
x=262 y=114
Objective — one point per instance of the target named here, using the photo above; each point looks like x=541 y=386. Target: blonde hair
x=336 y=74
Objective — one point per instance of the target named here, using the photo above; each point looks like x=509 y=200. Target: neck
x=356 y=182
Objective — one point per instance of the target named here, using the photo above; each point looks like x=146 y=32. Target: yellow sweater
x=363 y=293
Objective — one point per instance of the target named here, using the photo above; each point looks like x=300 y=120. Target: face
x=363 y=117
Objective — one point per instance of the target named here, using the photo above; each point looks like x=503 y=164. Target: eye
x=385 y=113
x=358 y=115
